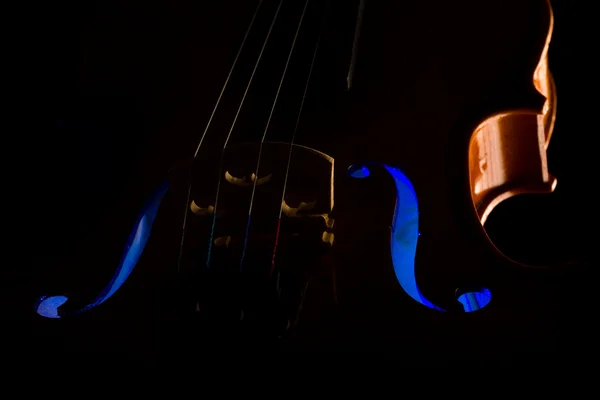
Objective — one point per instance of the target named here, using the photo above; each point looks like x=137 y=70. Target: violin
x=337 y=195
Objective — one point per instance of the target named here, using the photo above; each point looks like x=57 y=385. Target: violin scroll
x=507 y=152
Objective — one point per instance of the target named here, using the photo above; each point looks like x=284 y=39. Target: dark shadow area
x=114 y=95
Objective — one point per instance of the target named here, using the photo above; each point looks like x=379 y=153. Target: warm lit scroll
x=507 y=153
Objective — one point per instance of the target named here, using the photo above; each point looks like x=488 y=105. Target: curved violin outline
x=496 y=192
x=404 y=238
x=48 y=306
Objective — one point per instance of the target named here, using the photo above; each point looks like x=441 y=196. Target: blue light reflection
x=405 y=234
x=473 y=301
x=48 y=306
x=359 y=172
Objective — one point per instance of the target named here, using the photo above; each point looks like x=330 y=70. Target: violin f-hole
x=48 y=306
x=404 y=237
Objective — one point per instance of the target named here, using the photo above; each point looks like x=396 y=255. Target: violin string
x=359 y=19
x=212 y=230
x=189 y=191
x=262 y=141
x=289 y=159
x=227 y=79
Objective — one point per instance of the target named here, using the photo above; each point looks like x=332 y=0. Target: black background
x=91 y=149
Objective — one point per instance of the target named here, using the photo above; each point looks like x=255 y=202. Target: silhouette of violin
x=434 y=113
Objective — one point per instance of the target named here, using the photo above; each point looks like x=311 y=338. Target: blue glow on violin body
x=404 y=238
x=47 y=306
x=473 y=301
x=405 y=234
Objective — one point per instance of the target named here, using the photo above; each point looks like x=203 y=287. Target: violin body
x=462 y=80
x=410 y=134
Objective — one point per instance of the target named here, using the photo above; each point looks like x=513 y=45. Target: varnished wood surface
x=427 y=75
x=507 y=153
